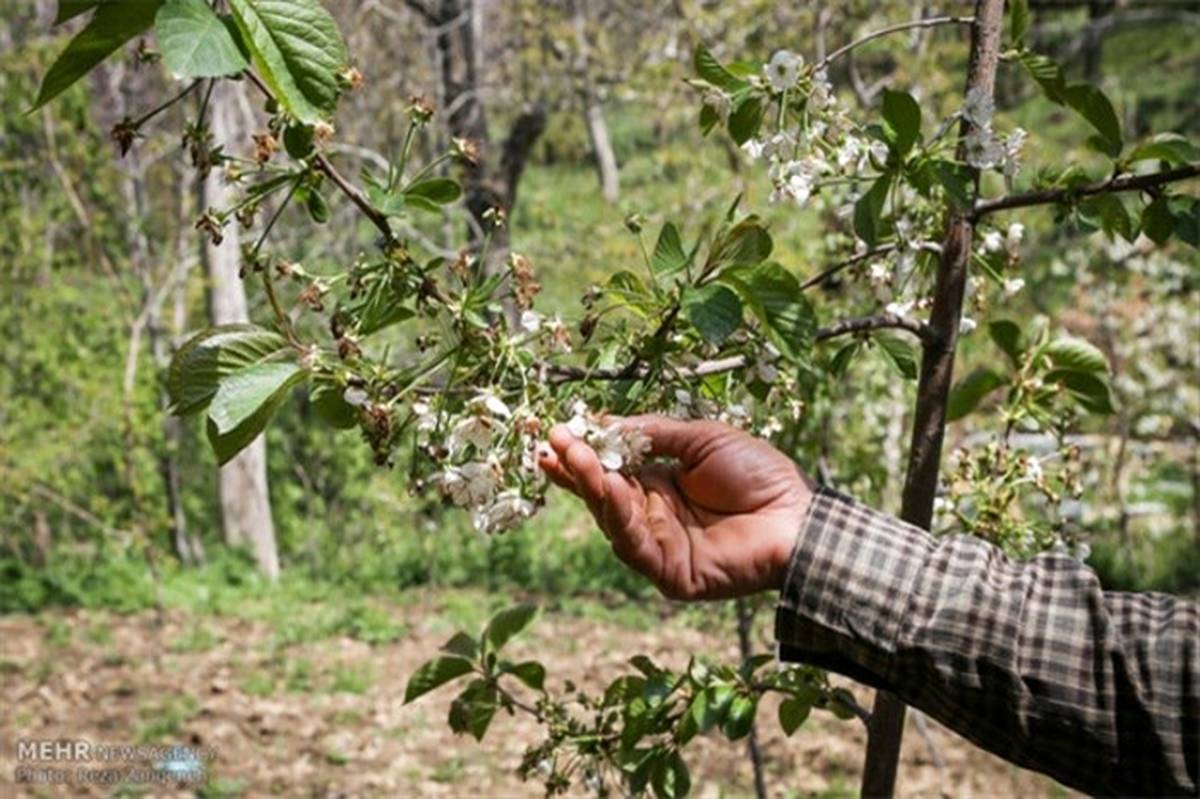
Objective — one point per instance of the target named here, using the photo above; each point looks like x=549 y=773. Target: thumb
x=688 y=441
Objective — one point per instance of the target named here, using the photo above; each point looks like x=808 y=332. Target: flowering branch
x=1110 y=186
x=929 y=22
x=829 y=272
x=563 y=373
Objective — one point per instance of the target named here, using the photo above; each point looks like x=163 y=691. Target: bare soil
x=326 y=718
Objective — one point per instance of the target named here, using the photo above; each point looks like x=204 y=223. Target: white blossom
x=879 y=152
x=1033 y=468
x=900 y=308
x=879 y=273
x=984 y=150
x=355 y=396
x=1012 y=153
x=507 y=510
x=1013 y=238
x=966 y=325
x=821 y=95
x=1013 y=285
x=754 y=148
x=993 y=241
x=472 y=483
x=783 y=69
x=488 y=401
x=426 y=419
x=849 y=151
x=979 y=107
x=719 y=102
x=475 y=429
x=530 y=321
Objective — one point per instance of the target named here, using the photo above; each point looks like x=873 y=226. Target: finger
x=625 y=525
x=587 y=472
x=560 y=439
x=549 y=462
x=688 y=441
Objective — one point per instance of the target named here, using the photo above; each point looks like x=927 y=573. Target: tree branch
x=928 y=22
x=560 y=373
x=829 y=272
x=1110 y=186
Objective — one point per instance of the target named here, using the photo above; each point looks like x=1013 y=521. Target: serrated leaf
x=113 y=25
x=966 y=395
x=435 y=674
x=841 y=359
x=670 y=777
x=440 y=191
x=1094 y=106
x=900 y=354
x=1169 y=147
x=245 y=402
x=1018 y=19
x=746 y=118
x=773 y=294
x=745 y=244
x=195 y=42
x=1076 y=354
x=529 y=672
x=868 y=210
x=507 y=623
x=740 y=717
x=472 y=710
x=710 y=69
x=1157 y=221
x=298 y=51
x=328 y=401
x=211 y=355
x=1007 y=336
x=1088 y=389
x=901 y=120
x=715 y=311
x=792 y=714
x=462 y=645
x=668 y=254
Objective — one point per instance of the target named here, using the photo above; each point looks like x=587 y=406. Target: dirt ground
x=326 y=718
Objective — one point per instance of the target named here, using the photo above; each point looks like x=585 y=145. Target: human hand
x=718 y=521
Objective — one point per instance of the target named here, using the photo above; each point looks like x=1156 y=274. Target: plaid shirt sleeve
x=1030 y=660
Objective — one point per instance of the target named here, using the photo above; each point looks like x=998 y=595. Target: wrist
x=788 y=531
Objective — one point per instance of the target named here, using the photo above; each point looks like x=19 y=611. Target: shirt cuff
x=850 y=579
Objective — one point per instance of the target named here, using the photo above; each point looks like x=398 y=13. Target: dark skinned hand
x=718 y=519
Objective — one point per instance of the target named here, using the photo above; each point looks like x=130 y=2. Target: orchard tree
x=923 y=212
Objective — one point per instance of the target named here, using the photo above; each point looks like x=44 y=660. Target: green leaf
x=841 y=359
x=1018 y=19
x=704 y=710
x=1157 y=221
x=243 y=394
x=773 y=294
x=714 y=310
x=507 y=623
x=740 y=718
x=901 y=121
x=298 y=51
x=842 y=704
x=1086 y=388
x=900 y=353
x=440 y=191
x=970 y=391
x=1076 y=354
x=1169 y=147
x=668 y=254
x=195 y=42
x=792 y=713
x=1007 y=336
x=69 y=9
x=435 y=674
x=298 y=140
x=670 y=777
x=211 y=355
x=1108 y=212
x=472 y=710
x=708 y=119
x=710 y=69
x=318 y=210
x=746 y=118
x=529 y=672
x=244 y=403
x=957 y=181
x=1094 y=106
x=1186 y=211
x=328 y=402
x=869 y=209
x=1047 y=73
x=462 y=645
x=113 y=25
x=745 y=244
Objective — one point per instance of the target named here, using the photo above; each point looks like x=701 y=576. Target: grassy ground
x=305 y=698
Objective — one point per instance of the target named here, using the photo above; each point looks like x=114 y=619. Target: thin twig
x=929 y=22
x=1110 y=186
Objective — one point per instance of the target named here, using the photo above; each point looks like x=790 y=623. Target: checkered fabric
x=1030 y=660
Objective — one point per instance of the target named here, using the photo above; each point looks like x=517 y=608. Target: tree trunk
x=593 y=111
x=242 y=483
x=886 y=727
x=745 y=627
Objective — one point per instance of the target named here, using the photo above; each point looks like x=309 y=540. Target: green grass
x=165 y=717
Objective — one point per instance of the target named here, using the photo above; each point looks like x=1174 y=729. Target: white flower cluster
x=986 y=150
x=617 y=446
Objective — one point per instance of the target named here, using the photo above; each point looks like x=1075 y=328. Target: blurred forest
x=116 y=525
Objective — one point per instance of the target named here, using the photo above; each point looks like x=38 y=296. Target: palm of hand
x=720 y=522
